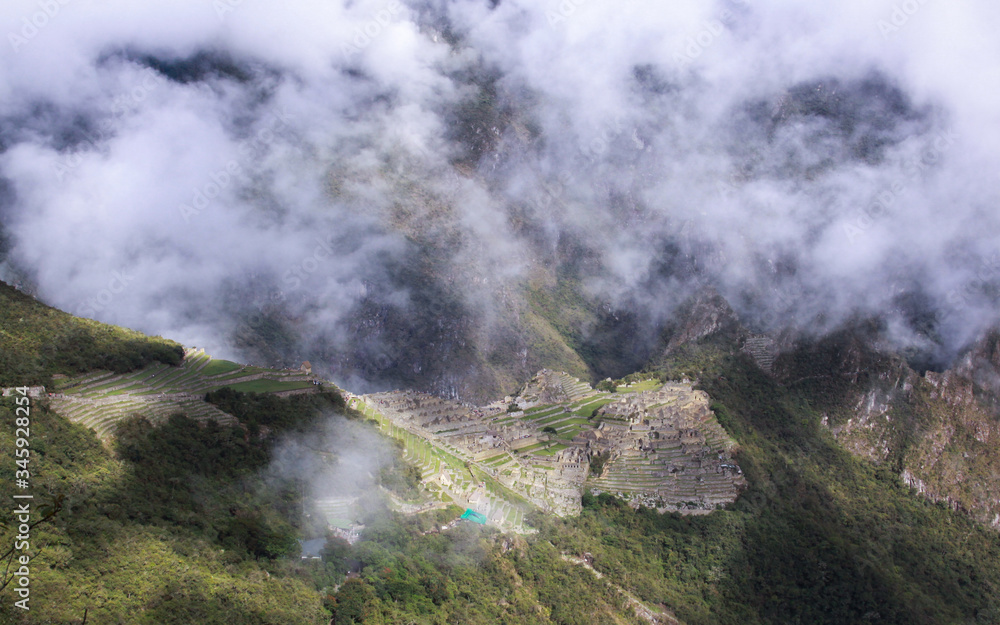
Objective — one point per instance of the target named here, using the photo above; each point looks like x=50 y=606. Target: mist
x=341 y=461
x=371 y=184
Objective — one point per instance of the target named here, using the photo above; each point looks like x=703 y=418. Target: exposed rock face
x=662 y=448
x=706 y=314
x=940 y=431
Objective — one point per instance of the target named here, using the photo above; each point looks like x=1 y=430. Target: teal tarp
x=472 y=515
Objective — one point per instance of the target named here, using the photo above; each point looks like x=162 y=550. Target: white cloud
x=766 y=129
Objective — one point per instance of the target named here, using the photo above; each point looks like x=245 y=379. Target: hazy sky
x=171 y=165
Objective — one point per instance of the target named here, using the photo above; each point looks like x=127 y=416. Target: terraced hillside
x=660 y=447
x=100 y=399
x=665 y=448
x=450 y=473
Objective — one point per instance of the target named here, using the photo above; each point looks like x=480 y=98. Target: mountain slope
x=183 y=522
x=37 y=341
x=937 y=429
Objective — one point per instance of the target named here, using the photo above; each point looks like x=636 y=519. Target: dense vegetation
x=467 y=575
x=181 y=524
x=940 y=429
x=819 y=537
x=185 y=523
x=37 y=341
x=175 y=525
x=274 y=413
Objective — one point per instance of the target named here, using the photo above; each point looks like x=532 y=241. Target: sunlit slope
x=99 y=400
x=37 y=341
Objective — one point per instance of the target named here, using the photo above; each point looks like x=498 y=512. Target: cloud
x=240 y=174
x=342 y=460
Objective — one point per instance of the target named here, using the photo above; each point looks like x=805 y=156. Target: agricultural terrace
x=100 y=399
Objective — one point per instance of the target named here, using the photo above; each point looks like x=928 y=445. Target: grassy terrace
x=550 y=449
x=496 y=461
x=505 y=421
x=224 y=377
x=566 y=430
x=562 y=416
x=432 y=455
x=217 y=367
x=99 y=400
x=430 y=458
x=590 y=409
x=531 y=412
x=638 y=387
x=268 y=386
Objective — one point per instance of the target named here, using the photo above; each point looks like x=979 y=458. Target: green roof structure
x=475 y=517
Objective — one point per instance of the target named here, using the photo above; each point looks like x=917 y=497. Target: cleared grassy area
x=615 y=420
x=563 y=416
x=538 y=418
x=506 y=421
x=499 y=490
x=430 y=457
x=588 y=410
x=228 y=377
x=267 y=386
x=551 y=449
x=196 y=359
x=169 y=377
x=128 y=389
x=104 y=387
x=638 y=387
x=540 y=409
x=569 y=432
x=145 y=374
x=465 y=476
x=217 y=367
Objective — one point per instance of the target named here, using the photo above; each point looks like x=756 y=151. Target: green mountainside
x=936 y=430
x=37 y=341
x=158 y=517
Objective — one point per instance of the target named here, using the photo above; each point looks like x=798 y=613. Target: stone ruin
x=663 y=448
